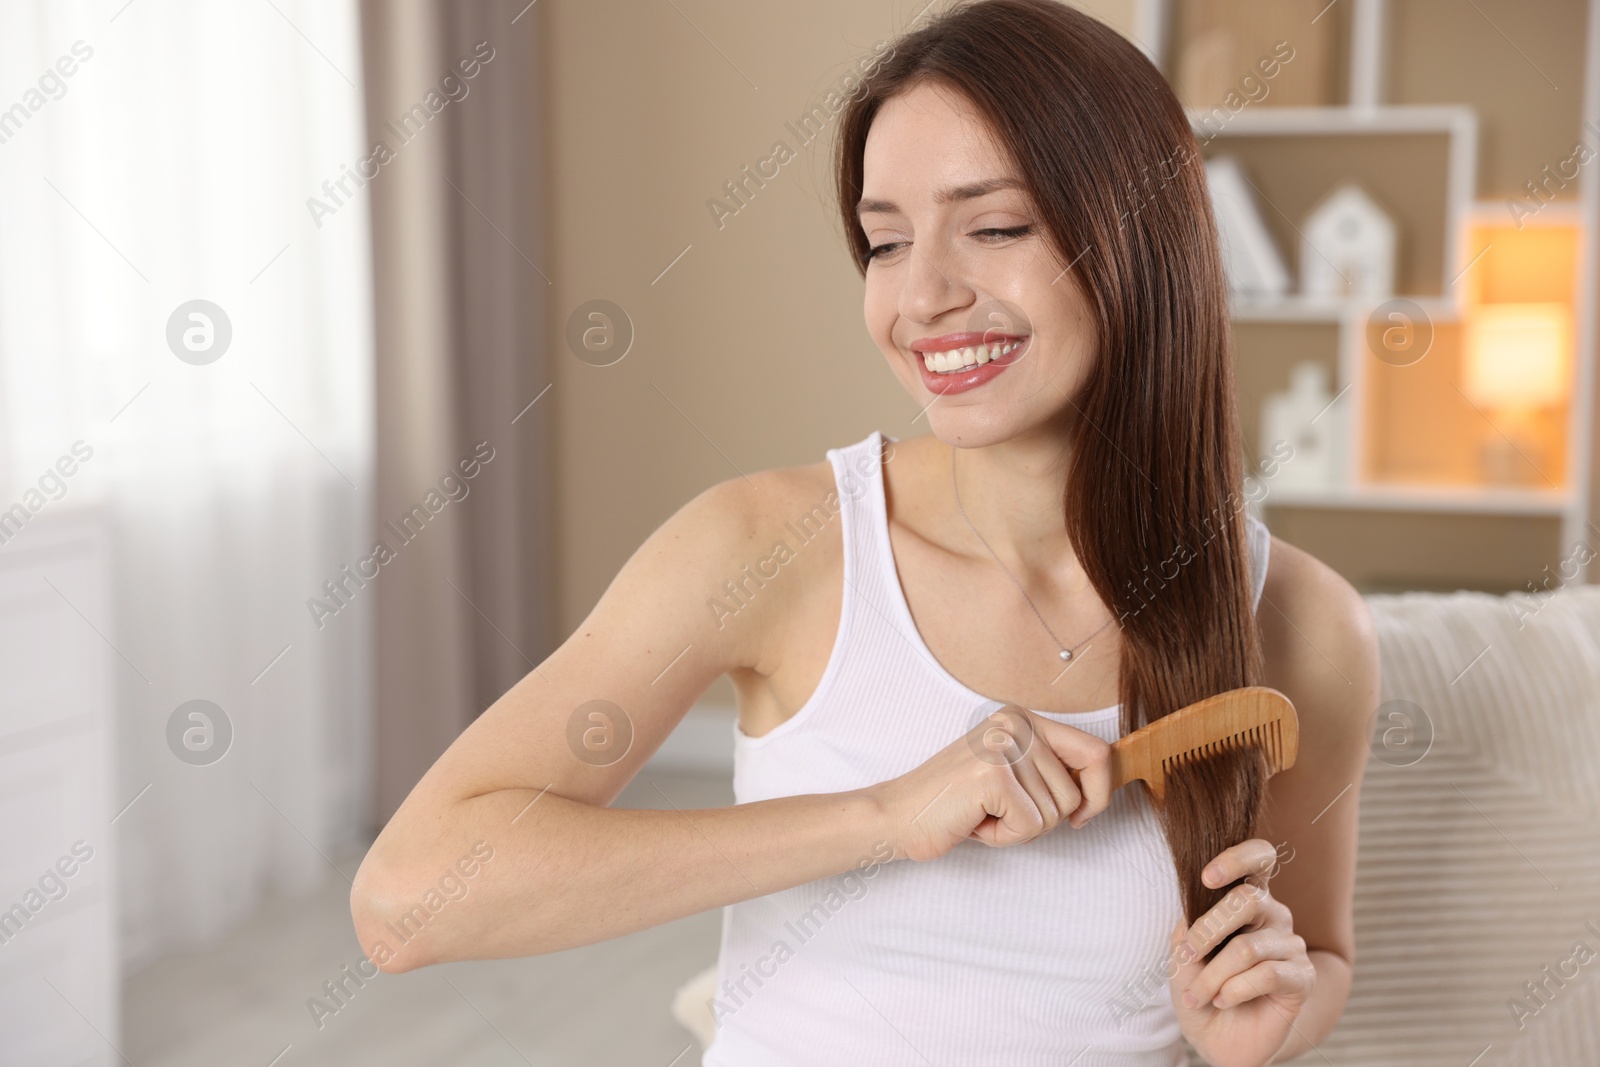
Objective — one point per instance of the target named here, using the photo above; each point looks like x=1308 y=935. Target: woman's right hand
x=1008 y=780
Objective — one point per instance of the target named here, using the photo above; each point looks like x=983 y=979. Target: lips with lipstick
x=957 y=362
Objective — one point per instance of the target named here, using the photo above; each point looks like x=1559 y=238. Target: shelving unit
x=1428 y=498
x=1298 y=308
x=1441 y=151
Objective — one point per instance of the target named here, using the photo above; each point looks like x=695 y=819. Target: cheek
x=1072 y=360
x=878 y=312
x=1065 y=361
x=1075 y=329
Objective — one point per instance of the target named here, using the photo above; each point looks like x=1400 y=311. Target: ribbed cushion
x=1479 y=862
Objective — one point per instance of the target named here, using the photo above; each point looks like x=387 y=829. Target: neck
x=1012 y=493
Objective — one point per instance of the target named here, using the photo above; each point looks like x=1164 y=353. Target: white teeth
x=957 y=359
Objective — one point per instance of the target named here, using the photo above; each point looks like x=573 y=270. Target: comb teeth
x=1267 y=736
x=1251 y=716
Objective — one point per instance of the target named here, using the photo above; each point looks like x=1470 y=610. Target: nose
x=931 y=288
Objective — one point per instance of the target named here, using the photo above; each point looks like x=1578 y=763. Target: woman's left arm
x=1279 y=987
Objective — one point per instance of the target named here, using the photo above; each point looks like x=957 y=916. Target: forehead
x=926 y=138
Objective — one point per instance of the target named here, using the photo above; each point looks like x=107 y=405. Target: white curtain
x=174 y=163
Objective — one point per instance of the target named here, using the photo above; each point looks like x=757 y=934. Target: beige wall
x=757 y=332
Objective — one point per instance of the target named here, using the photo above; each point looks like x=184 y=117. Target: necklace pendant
x=1066 y=654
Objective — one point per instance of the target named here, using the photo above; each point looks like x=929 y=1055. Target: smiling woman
x=1027 y=187
x=1070 y=540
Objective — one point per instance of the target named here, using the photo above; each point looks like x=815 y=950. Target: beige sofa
x=1478 y=881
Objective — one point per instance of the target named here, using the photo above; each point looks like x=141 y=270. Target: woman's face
x=958 y=266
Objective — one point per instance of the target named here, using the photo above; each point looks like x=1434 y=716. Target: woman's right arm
x=523 y=781
x=528 y=789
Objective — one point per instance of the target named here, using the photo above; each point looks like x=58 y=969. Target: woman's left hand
x=1238 y=1009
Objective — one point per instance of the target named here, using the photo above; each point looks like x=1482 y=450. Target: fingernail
x=1217 y=1002
x=1189 y=998
x=1209 y=876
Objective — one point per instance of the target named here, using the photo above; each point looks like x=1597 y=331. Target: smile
x=956 y=360
x=958 y=369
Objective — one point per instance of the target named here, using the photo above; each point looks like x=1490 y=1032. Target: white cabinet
x=59 y=970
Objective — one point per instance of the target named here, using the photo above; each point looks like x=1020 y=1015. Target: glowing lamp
x=1518 y=355
x=1518 y=359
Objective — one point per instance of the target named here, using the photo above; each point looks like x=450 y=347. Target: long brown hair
x=1153 y=495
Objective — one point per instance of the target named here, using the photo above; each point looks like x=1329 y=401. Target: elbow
x=373 y=909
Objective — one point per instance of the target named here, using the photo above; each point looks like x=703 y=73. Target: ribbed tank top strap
x=858 y=476
x=884 y=630
x=1259 y=539
x=855 y=468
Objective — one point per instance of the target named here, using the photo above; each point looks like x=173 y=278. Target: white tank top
x=1051 y=952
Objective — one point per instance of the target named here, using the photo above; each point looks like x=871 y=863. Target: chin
x=980 y=425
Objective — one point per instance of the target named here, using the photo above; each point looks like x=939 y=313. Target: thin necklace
x=1066 y=653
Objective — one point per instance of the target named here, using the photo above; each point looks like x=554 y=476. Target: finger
x=1063 y=790
x=1021 y=820
x=1016 y=817
x=1255 y=859
x=1239 y=956
x=1004 y=736
x=1007 y=738
x=1287 y=978
x=1052 y=773
x=1183 y=963
x=984 y=831
x=1031 y=779
x=1243 y=905
x=1089 y=758
x=1094 y=782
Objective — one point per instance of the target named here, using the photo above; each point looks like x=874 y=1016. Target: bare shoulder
x=752 y=531
x=749 y=510
x=780 y=488
x=1316 y=630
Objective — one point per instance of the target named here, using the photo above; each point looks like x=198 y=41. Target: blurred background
x=348 y=349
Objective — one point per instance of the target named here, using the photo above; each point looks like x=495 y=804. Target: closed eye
x=992 y=232
x=1010 y=231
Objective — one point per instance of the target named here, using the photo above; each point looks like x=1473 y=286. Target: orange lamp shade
x=1518 y=355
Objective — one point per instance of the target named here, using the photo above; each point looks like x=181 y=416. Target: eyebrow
x=970 y=191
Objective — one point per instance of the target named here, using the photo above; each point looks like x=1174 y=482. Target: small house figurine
x=1348 y=247
x=1302 y=417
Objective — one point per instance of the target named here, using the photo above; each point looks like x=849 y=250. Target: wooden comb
x=1253 y=715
